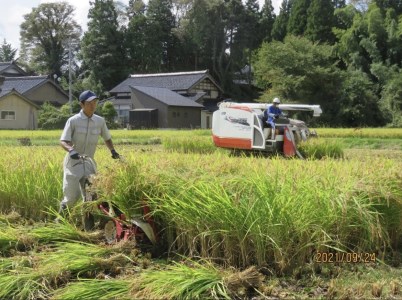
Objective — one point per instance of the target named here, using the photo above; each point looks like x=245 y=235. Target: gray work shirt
x=83 y=132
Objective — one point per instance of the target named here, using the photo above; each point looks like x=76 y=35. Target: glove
x=74 y=154
x=115 y=155
x=276 y=116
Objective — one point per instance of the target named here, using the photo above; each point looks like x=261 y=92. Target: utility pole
x=70 y=96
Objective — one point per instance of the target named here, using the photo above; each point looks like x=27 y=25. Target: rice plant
x=28 y=186
x=12 y=238
x=23 y=238
x=240 y=210
x=384 y=133
x=319 y=148
x=23 y=285
x=88 y=289
x=180 y=281
x=190 y=144
x=132 y=137
x=267 y=216
x=62 y=231
x=56 y=266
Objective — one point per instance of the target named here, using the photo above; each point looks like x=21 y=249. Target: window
x=174 y=114
x=7 y=115
x=185 y=114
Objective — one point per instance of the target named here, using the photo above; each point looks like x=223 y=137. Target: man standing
x=79 y=138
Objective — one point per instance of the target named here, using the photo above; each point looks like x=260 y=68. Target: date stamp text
x=344 y=257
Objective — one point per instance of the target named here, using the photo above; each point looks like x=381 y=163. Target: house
x=194 y=91
x=38 y=89
x=11 y=69
x=17 y=111
x=173 y=110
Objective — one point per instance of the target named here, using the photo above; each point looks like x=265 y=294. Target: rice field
x=230 y=226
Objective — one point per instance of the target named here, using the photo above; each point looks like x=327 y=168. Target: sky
x=12 y=12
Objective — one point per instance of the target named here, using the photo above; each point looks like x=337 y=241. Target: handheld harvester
x=240 y=126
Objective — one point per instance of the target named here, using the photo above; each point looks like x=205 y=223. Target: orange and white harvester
x=240 y=126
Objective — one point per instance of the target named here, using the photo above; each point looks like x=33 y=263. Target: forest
x=344 y=55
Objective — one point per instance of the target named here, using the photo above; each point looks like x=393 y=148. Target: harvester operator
x=79 y=138
x=272 y=113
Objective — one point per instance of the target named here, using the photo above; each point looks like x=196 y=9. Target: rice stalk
x=78 y=258
x=23 y=285
x=244 y=210
x=94 y=289
x=180 y=281
x=190 y=144
x=318 y=149
x=22 y=278
x=14 y=238
x=63 y=230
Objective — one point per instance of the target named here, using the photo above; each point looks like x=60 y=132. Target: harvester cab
x=241 y=126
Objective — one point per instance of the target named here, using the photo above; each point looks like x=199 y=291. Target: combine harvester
x=240 y=127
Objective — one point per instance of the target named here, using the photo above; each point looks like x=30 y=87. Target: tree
x=267 y=20
x=338 y=3
x=52 y=118
x=109 y=113
x=250 y=23
x=349 y=48
x=361 y=5
x=394 y=39
x=160 y=40
x=387 y=4
x=377 y=33
x=135 y=8
x=208 y=35
x=102 y=46
x=297 y=23
x=392 y=99
x=279 y=28
x=7 y=53
x=359 y=104
x=299 y=71
x=45 y=37
x=344 y=18
x=136 y=37
x=238 y=23
x=320 y=19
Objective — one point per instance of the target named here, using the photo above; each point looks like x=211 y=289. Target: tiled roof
x=4 y=65
x=21 y=96
x=166 y=96
x=11 y=65
x=21 y=84
x=172 y=81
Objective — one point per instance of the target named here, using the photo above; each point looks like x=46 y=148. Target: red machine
x=117 y=227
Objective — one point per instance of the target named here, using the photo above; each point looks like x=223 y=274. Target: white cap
x=276 y=100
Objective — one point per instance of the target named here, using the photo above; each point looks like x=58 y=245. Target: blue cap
x=87 y=96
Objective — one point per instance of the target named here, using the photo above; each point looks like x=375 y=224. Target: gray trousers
x=75 y=173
